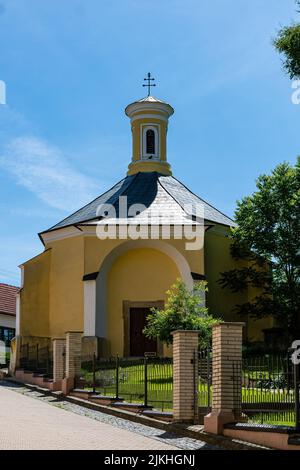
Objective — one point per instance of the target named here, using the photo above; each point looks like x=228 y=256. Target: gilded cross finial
x=149 y=84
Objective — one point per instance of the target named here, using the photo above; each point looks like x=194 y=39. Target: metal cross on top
x=149 y=84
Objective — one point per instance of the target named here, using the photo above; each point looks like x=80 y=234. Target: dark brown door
x=139 y=343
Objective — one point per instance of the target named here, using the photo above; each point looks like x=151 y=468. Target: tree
x=267 y=241
x=288 y=43
x=184 y=310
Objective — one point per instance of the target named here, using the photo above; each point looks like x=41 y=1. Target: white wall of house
x=9 y=321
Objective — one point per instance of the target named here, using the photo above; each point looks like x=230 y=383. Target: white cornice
x=137 y=107
x=61 y=233
x=91 y=231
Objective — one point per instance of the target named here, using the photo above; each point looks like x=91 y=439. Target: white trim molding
x=60 y=233
x=145 y=106
x=89 y=307
x=18 y=314
x=22 y=275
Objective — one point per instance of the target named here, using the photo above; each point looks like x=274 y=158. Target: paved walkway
x=30 y=421
x=32 y=424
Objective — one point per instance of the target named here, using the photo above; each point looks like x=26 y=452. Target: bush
x=184 y=310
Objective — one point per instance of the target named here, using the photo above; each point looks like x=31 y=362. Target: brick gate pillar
x=73 y=353
x=73 y=359
x=226 y=376
x=59 y=364
x=185 y=376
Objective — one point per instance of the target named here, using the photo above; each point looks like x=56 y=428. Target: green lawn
x=131 y=383
x=277 y=419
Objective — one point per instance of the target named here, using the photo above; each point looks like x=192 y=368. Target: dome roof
x=149 y=102
x=150 y=99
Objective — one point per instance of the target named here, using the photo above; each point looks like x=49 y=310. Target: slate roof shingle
x=149 y=189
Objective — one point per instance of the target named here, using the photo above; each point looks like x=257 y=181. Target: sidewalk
x=27 y=423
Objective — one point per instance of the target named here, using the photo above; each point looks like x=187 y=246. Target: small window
x=150 y=142
x=6 y=335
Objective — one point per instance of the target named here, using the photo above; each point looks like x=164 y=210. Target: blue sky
x=71 y=67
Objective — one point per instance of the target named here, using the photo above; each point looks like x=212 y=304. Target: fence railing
x=266 y=387
x=147 y=380
x=270 y=389
x=204 y=380
x=36 y=358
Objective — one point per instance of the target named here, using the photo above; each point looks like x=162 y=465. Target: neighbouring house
x=8 y=299
x=106 y=265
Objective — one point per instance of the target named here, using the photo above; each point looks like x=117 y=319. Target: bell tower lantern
x=149 y=124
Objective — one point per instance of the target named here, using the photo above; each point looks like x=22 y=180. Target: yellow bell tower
x=149 y=125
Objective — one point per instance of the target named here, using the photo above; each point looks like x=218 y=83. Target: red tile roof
x=8 y=298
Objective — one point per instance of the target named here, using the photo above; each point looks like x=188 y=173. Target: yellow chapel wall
x=66 y=286
x=141 y=274
x=221 y=302
x=74 y=257
x=34 y=296
x=136 y=135
x=52 y=298
x=96 y=251
x=255 y=327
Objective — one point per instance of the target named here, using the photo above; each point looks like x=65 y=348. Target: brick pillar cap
x=185 y=331
x=229 y=323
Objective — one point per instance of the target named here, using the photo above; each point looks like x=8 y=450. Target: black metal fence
x=270 y=389
x=204 y=389
x=36 y=358
x=147 y=380
x=204 y=380
x=266 y=387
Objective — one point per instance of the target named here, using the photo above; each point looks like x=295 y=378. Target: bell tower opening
x=150 y=141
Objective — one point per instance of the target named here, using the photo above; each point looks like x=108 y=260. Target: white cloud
x=44 y=170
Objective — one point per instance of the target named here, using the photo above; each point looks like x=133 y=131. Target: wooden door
x=139 y=343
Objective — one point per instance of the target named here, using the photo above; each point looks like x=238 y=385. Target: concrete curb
x=192 y=431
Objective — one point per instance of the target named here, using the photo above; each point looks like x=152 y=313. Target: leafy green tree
x=267 y=241
x=288 y=43
x=184 y=310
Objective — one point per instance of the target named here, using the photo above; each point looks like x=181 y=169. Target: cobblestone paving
x=117 y=433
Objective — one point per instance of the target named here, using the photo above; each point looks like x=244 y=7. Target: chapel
x=105 y=266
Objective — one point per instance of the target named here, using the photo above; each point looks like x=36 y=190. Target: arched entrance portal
x=133 y=278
